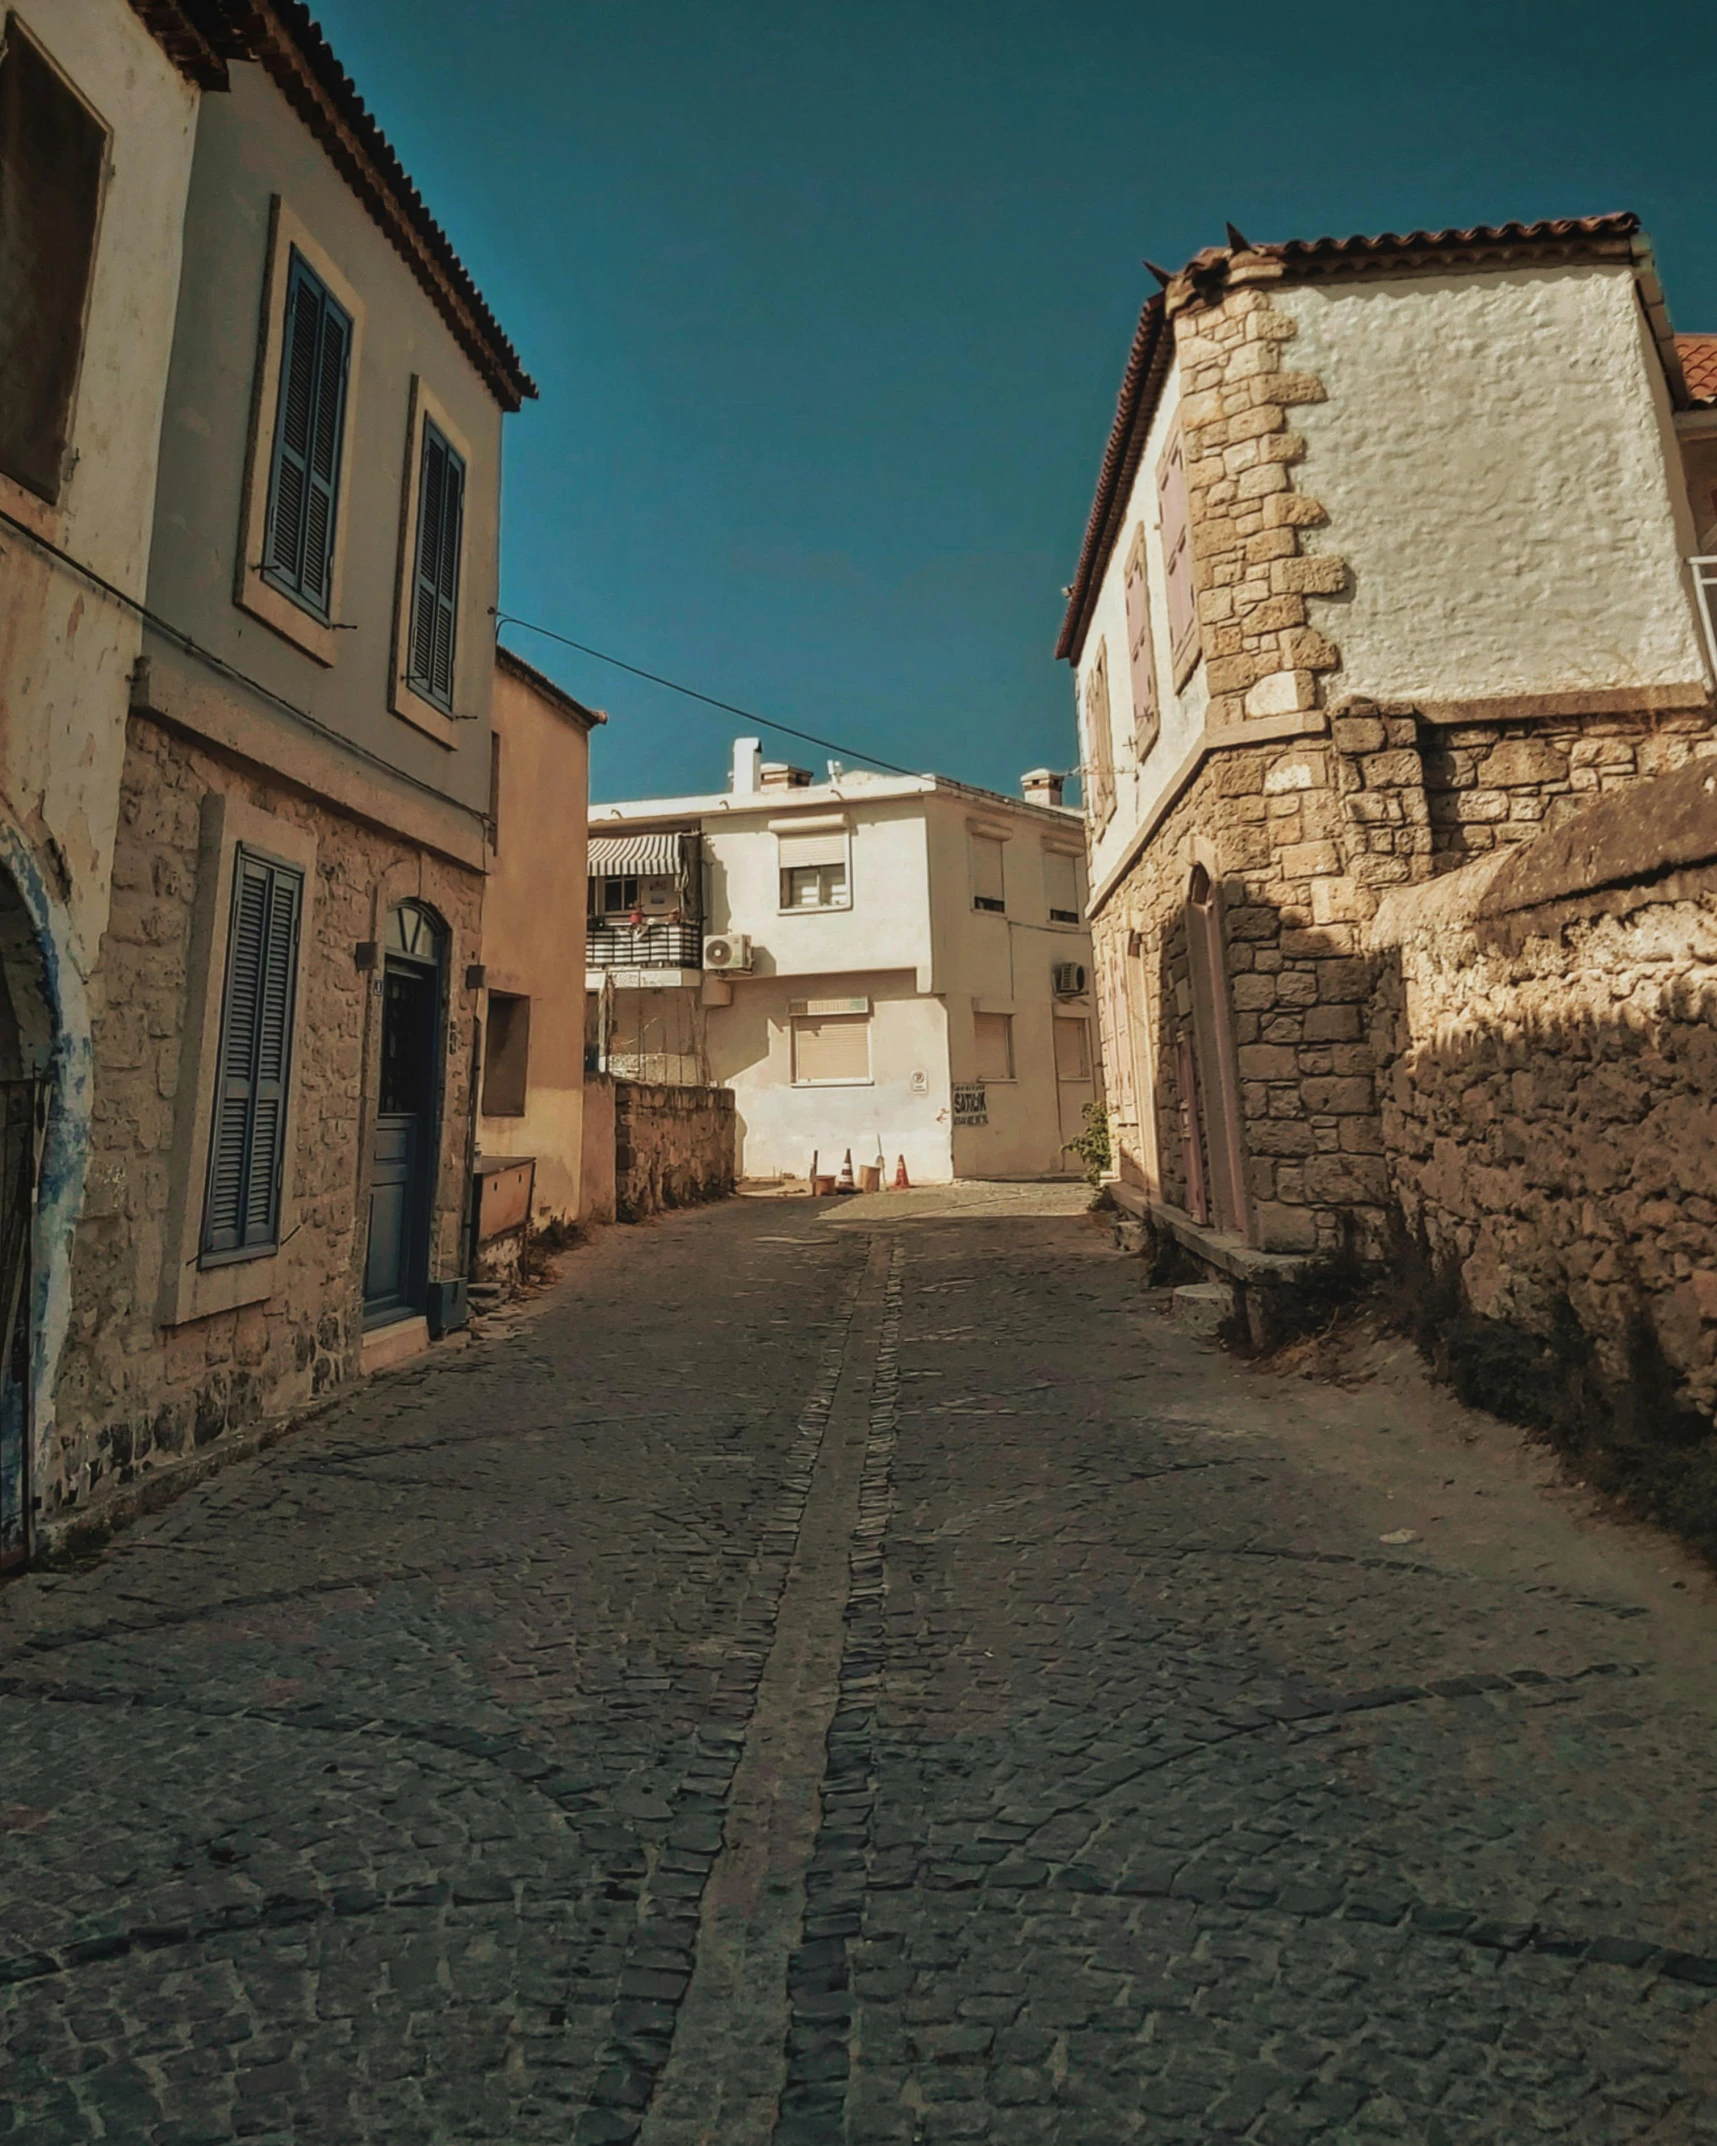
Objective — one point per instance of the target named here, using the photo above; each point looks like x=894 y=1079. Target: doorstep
x=1222 y=1249
x=395 y=1343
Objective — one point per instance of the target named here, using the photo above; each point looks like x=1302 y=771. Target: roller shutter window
x=435 y=581
x=831 y=1049
x=1061 y=886
x=52 y=153
x=1099 y=768
x=1141 y=650
x=988 y=886
x=304 y=480
x=247 y=1137
x=1177 y=560
x=993 y=1034
x=1072 y=1049
x=814 y=871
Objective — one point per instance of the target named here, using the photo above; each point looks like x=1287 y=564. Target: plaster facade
x=1409 y=469
x=920 y=960
x=533 y=924
x=68 y=646
x=258 y=726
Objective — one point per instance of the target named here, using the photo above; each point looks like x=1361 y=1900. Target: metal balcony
x=644 y=946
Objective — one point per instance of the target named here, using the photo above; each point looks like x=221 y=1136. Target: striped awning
x=635 y=856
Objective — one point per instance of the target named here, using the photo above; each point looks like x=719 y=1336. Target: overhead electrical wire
x=727 y=707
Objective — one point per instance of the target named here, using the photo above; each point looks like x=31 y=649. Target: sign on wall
x=969 y=1105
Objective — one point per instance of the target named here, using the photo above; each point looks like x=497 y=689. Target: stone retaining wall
x=672 y=1147
x=1545 y=1025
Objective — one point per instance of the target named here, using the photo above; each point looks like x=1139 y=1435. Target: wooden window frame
x=1097 y=729
x=316 y=636
x=189 y=1288
x=1141 y=647
x=14 y=32
x=404 y=698
x=1176 y=539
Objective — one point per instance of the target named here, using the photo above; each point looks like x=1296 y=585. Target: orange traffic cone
x=846 y=1182
x=902 y=1183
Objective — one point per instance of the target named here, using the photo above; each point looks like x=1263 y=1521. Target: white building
x=892 y=964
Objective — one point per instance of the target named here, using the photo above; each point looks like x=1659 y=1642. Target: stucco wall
x=1496 y=459
x=1548 y=1075
x=66 y=649
x=250 y=148
x=135 y=1395
x=750 y=1048
x=533 y=929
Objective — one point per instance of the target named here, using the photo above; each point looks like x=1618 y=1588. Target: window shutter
x=993 y=1035
x=831 y=1049
x=248 y=1134
x=304 y=484
x=1099 y=768
x=435 y=584
x=1141 y=651
x=1177 y=554
x=987 y=882
x=1072 y=1050
x=1061 y=884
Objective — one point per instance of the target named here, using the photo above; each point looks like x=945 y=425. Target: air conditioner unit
x=727 y=950
x=1069 y=977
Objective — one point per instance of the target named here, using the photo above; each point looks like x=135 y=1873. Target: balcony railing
x=644 y=946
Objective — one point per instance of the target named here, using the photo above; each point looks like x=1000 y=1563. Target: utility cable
x=225 y=669
x=745 y=715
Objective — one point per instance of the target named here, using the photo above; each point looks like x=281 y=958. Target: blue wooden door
x=402 y=1159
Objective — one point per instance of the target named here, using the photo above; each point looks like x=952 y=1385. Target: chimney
x=1041 y=787
x=747 y=766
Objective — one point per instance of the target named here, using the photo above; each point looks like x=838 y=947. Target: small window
x=241 y=1215
x=304 y=477
x=814 y=886
x=506 y=1055
x=1061 y=885
x=1072 y=1050
x=1097 y=773
x=1177 y=560
x=1141 y=653
x=435 y=578
x=987 y=882
x=614 y=897
x=830 y=1050
x=52 y=153
x=994 y=1036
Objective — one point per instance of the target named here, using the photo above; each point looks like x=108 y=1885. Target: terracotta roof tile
x=1698 y=355
x=1474 y=246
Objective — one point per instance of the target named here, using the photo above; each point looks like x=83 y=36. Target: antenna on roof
x=1236 y=240
x=1162 y=275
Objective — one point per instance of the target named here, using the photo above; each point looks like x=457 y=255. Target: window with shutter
x=52 y=154
x=1061 y=886
x=1098 y=772
x=1140 y=648
x=304 y=478
x=1177 y=560
x=435 y=582
x=241 y=1214
x=993 y=1036
x=1072 y=1049
x=830 y=1049
x=987 y=882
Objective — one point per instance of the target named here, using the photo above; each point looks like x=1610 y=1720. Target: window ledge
x=318 y=638
x=833 y=1084
x=411 y=707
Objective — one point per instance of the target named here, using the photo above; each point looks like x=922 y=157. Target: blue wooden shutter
x=249 y=1128
x=435 y=582
x=304 y=483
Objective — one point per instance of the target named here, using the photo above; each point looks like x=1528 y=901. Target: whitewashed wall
x=1498 y=463
x=1140 y=785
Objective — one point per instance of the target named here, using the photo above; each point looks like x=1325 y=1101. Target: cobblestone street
x=860 y=1676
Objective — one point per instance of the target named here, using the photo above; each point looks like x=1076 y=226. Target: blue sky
x=828 y=305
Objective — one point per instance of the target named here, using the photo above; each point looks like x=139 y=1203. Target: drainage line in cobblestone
x=818 y=2056
x=682 y=2042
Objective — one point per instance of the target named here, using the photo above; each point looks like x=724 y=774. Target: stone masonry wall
x=1548 y=1075
x=672 y=1147
x=133 y=1395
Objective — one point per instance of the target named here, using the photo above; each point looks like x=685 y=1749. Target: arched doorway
x=1215 y=1091
x=27 y=1031
x=408 y=1115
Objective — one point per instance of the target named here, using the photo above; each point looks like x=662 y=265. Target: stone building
x=284 y=1020
x=1388 y=566
x=98 y=105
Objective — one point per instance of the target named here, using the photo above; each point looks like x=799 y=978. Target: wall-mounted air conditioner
x=1069 y=978
x=727 y=952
